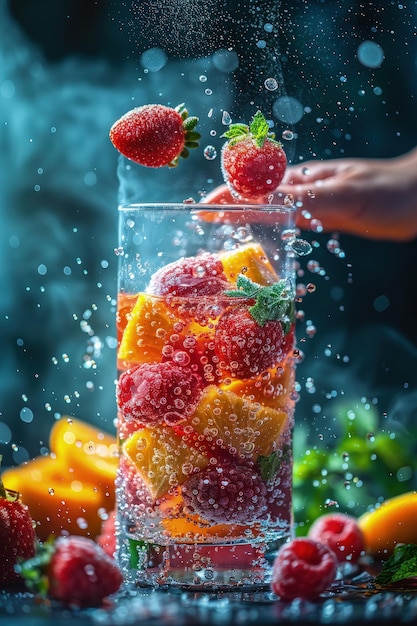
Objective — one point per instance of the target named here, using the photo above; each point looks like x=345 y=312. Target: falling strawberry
x=74 y=570
x=253 y=162
x=249 y=340
x=155 y=135
x=17 y=535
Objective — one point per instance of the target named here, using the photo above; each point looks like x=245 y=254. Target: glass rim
x=212 y=208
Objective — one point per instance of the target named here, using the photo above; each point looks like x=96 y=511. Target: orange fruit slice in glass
x=250 y=260
x=162 y=458
x=244 y=428
x=150 y=324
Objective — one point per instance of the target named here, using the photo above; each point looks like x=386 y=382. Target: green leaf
x=236 y=130
x=272 y=302
x=190 y=123
x=269 y=465
x=400 y=566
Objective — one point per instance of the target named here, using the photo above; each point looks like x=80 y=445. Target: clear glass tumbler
x=205 y=393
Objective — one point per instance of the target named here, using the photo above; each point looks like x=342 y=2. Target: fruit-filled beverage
x=205 y=393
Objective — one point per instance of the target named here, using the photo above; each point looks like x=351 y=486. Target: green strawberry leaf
x=400 y=567
x=34 y=571
x=236 y=130
x=272 y=302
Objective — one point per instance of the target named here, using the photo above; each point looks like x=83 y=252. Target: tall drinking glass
x=205 y=393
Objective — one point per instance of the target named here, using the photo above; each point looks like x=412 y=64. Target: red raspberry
x=156 y=392
x=341 y=533
x=226 y=494
x=303 y=569
x=201 y=275
x=244 y=347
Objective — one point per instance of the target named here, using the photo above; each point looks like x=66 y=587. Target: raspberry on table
x=226 y=494
x=341 y=533
x=152 y=393
x=303 y=569
x=200 y=275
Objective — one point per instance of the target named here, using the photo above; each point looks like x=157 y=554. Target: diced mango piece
x=272 y=389
x=60 y=499
x=125 y=304
x=242 y=427
x=250 y=260
x=162 y=458
x=85 y=448
x=147 y=331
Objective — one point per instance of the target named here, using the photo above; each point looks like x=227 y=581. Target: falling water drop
x=210 y=153
x=271 y=84
x=288 y=135
x=301 y=247
x=226 y=119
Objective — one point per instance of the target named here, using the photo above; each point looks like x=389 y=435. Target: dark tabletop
x=352 y=600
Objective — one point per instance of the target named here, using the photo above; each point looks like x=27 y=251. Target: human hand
x=372 y=198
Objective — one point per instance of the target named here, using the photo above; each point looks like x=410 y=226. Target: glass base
x=216 y=567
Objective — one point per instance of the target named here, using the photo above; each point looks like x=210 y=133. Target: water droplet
x=301 y=247
x=271 y=84
x=210 y=153
x=288 y=135
x=226 y=119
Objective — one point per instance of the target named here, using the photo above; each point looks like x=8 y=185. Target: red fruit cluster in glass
x=245 y=348
x=158 y=392
x=226 y=494
x=201 y=275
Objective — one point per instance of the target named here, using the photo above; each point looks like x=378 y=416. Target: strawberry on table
x=74 y=570
x=155 y=135
x=253 y=162
x=17 y=535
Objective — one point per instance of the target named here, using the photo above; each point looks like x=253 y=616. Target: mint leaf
x=400 y=566
x=272 y=302
x=269 y=465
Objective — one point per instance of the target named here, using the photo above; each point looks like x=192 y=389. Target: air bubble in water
x=301 y=247
x=210 y=153
x=288 y=135
x=271 y=84
x=226 y=119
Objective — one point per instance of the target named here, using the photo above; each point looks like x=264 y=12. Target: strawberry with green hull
x=73 y=570
x=17 y=535
x=155 y=135
x=253 y=162
x=251 y=339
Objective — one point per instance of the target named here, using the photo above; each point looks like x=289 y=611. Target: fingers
x=219 y=195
